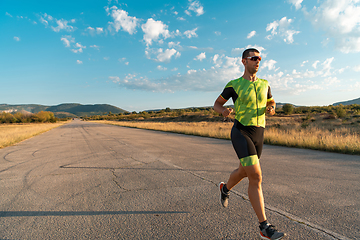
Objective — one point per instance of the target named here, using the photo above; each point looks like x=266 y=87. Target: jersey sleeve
x=228 y=91
x=269 y=95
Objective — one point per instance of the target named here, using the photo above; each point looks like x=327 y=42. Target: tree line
x=40 y=117
x=330 y=111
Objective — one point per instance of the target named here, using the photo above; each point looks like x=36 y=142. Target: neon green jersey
x=250 y=99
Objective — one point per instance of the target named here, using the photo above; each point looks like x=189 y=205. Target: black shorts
x=248 y=143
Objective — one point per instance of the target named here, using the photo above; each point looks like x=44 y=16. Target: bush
x=7 y=118
x=340 y=112
x=288 y=109
x=26 y=118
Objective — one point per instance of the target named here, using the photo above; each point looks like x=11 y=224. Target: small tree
x=288 y=109
x=340 y=111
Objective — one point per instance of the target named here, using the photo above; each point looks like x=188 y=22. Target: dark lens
x=256 y=58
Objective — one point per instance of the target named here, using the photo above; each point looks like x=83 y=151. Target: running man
x=252 y=98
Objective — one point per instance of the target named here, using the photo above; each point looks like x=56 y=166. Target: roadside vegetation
x=328 y=128
x=17 y=127
x=11 y=134
x=19 y=117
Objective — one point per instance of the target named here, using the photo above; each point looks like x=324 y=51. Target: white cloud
x=301 y=81
x=218 y=60
x=67 y=40
x=17 y=39
x=237 y=51
x=200 y=57
x=215 y=58
x=327 y=66
x=174 y=45
x=79 y=48
x=8 y=14
x=340 y=20
x=214 y=79
x=341 y=70
x=259 y=48
x=217 y=33
x=131 y=81
x=79 y=62
x=191 y=33
x=304 y=62
x=181 y=19
x=49 y=17
x=161 y=68
x=289 y=35
x=95 y=46
x=357 y=68
x=122 y=21
x=314 y=65
x=331 y=81
x=296 y=3
x=281 y=27
x=78 y=45
x=123 y=60
x=177 y=32
x=231 y=62
x=153 y=29
x=44 y=17
x=251 y=34
x=167 y=54
x=272 y=26
x=94 y=31
x=161 y=55
x=270 y=64
x=63 y=25
x=196 y=7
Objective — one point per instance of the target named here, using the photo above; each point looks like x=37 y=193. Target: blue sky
x=142 y=55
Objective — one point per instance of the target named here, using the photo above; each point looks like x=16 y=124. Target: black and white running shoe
x=224 y=198
x=269 y=232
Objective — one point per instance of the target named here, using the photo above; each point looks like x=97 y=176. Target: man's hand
x=270 y=110
x=227 y=111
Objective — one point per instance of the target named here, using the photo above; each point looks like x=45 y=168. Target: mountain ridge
x=64 y=109
x=349 y=102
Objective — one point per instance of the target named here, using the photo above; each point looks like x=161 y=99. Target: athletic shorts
x=247 y=142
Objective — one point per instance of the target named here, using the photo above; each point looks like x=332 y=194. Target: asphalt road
x=93 y=181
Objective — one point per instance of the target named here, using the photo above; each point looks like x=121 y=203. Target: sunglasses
x=254 y=58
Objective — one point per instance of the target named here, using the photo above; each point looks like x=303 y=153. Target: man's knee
x=255 y=178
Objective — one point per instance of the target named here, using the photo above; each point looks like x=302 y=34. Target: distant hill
x=66 y=109
x=354 y=101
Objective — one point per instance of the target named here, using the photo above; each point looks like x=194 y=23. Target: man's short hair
x=247 y=52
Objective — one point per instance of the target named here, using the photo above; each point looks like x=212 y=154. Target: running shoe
x=224 y=198
x=271 y=233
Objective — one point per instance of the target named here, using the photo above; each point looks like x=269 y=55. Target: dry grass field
x=303 y=131
x=315 y=132
x=11 y=134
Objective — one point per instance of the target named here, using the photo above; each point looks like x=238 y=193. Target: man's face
x=251 y=65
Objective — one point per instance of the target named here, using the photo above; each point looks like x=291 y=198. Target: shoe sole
x=263 y=237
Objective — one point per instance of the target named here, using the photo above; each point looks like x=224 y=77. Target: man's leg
x=255 y=192
x=235 y=177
